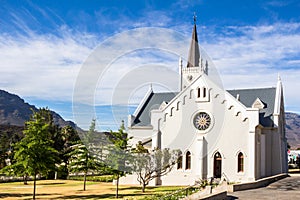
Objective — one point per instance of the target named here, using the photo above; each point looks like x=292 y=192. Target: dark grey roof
x=153 y=102
x=194 y=53
x=266 y=95
x=246 y=97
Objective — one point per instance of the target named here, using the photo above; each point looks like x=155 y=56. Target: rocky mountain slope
x=293 y=129
x=15 y=111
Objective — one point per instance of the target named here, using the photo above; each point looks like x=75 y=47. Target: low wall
x=207 y=194
x=217 y=196
x=256 y=184
x=218 y=193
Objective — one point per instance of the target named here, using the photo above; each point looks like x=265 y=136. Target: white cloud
x=46 y=66
x=252 y=56
x=41 y=66
x=262 y=48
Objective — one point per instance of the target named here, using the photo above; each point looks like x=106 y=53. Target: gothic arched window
x=240 y=162
x=179 y=162
x=204 y=92
x=188 y=160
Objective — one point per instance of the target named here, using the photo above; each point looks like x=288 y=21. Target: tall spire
x=194 y=52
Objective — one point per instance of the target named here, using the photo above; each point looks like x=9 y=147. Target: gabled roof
x=246 y=97
x=266 y=95
x=153 y=102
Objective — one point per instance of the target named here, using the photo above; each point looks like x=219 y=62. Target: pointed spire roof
x=194 y=52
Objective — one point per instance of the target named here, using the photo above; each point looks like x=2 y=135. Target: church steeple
x=196 y=64
x=194 y=53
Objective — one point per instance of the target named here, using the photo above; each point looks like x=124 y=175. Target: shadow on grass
x=100 y=196
x=150 y=188
x=5 y=195
x=54 y=183
x=131 y=188
x=18 y=195
x=79 y=196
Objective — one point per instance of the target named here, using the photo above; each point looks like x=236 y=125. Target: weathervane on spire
x=195 y=17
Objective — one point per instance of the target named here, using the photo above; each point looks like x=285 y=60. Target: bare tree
x=155 y=164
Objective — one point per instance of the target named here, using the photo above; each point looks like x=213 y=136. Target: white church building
x=238 y=135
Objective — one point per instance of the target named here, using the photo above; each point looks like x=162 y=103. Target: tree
x=4 y=149
x=35 y=154
x=55 y=135
x=118 y=154
x=83 y=157
x=154 y=164
x=70 y=137
x=9 y=135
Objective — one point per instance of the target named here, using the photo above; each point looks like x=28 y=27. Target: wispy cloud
x=253 y=56
x=278 y=3
x=46 y=65
x=43 y=66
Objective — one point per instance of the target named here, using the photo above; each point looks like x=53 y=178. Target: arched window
x=204 y=92
x=198 y=93
x=217 y=165
x=240 y=162
x=179 y=162
x=188 y=160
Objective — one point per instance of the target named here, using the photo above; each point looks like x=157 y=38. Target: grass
x=70 y=189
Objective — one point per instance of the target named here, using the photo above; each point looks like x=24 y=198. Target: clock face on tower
x=202 y=121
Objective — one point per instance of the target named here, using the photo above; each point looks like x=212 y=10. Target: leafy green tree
x=9 y=135
x=35 y=154
x=70 y=137
x=62 y=139
x=4 y=146
x=83 y=157
x=119 y=154
x=16 y=169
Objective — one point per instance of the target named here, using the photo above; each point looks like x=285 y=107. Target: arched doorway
x=217 y=165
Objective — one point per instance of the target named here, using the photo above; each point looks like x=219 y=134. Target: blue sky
x=44 y=45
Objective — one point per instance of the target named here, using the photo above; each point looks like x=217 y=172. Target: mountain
x=15 y=111
x=293 y=129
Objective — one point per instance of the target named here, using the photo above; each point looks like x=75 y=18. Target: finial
x=180 y=61
x=278 y=77
x=195 y=17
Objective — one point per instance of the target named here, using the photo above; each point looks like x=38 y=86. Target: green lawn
x=69 y=189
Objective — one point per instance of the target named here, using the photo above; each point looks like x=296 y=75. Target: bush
x=95 y=178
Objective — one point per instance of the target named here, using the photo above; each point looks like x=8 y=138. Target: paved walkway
x=284 y=189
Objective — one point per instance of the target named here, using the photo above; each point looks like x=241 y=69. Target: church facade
x=237 y=135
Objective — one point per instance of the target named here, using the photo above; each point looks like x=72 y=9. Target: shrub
x=95 y=178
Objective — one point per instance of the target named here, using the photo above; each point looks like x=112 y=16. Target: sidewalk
x=284 y=189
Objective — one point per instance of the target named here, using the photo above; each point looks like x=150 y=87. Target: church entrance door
x=217 y=165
